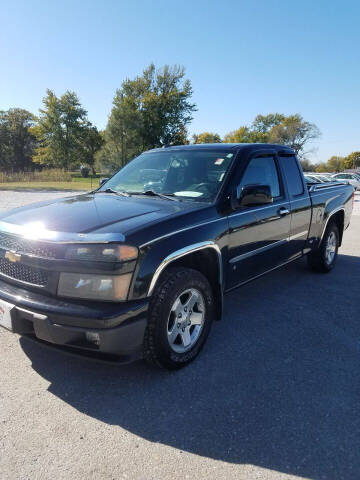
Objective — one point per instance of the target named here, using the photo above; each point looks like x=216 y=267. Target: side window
x=262 y=171
x=292 y=175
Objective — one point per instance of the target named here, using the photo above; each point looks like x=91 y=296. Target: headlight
x=94 y=287
x=101 y=253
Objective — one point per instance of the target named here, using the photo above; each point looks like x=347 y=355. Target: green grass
x=82 y=184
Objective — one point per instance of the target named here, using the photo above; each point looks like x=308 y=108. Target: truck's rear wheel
x=180 y=317
x=323 y=259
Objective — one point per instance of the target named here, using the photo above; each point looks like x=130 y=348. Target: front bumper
x=106 y=328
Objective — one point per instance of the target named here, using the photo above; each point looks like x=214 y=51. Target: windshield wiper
x=110 y=190
x=151 y=193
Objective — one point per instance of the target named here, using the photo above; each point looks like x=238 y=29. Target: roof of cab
x=226 y=147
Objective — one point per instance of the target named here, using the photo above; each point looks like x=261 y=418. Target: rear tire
x=180 y=316
x=323 y=259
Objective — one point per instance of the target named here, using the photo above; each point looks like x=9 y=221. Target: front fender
x=181 y=253
x=155 y=256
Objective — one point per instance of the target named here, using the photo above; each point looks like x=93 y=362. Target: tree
x=241 y=135
x=245 y=135
x=307 y=166
x=264 y=123
x=17 y=143
x=152 y=110
x=352 y=160
x=91 y=142
x=335 y=164
x=207 y=137
x=322 y=168
x=181 y=136
x=64 y=132
x=294 y=132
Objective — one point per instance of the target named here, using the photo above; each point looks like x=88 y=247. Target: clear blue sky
x=243 y=58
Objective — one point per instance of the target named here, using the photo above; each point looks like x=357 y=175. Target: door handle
x=283 y=211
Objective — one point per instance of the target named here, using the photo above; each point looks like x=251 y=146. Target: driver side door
x=259 y=234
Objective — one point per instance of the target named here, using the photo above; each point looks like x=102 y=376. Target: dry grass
x=51 y=179
x=51 y=175
x=50 y=186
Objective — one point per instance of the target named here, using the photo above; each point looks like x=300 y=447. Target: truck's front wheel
x=180 y=317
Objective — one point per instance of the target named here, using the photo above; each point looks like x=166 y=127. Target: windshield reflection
x=186 y=174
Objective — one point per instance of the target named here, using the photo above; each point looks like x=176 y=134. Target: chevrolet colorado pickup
x=139 y=267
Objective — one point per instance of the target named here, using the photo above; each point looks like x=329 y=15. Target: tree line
x=290 y=130
x=152 y=110
x=336 y=164
x=60 y=137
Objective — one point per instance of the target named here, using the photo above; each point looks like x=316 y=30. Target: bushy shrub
x=84 y=170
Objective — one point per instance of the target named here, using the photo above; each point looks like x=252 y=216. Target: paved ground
x=274 y=395
x=10 y=199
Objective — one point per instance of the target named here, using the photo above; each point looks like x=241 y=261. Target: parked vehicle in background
x=323 y=177
x=314 y=178
x=351 y=178
x=138 y=272
x=311 y=179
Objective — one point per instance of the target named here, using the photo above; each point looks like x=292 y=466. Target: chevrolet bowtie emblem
x=13 y=257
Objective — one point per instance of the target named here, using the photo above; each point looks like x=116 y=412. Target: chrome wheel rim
x=330 y=249
x=186 y=320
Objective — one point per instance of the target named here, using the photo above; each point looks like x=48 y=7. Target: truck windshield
x=185 y=174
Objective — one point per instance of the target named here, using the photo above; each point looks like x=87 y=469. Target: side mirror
x=102 y=181
x=253 y=195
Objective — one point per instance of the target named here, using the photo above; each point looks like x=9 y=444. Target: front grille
x=30 y=247
x=21 y=272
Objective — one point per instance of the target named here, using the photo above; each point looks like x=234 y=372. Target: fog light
x=93 y=337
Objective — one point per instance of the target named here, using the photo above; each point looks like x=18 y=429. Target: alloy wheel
x=186 y=320
x=330 y=249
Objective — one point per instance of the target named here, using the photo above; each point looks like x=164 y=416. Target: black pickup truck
x=139 y=267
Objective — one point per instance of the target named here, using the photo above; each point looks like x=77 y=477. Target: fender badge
x=13 y=257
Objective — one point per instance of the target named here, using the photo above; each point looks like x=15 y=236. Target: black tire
x=157 y=350
x=318 y=260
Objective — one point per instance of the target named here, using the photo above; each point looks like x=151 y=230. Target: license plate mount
x=5 y=315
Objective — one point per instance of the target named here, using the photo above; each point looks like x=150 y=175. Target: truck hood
x=86 y=217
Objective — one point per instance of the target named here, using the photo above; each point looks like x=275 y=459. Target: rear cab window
x=292 y=175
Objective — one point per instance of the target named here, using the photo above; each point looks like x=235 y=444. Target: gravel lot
x=274 y=395
x=10 y=199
